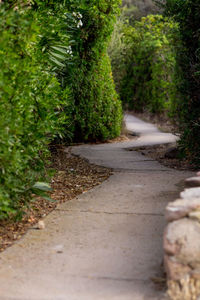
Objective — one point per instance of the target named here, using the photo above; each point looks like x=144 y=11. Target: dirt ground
x=73 y=176
x=158 y=153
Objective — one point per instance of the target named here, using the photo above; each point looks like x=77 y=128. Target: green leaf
x=59 y=56
x=59 y=49
x=42 y=186
x=56 y=62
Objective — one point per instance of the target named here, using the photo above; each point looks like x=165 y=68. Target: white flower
x=69 y=51
x=77 y=15
x=79 y=24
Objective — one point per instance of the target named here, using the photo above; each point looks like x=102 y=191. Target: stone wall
x=182 y=243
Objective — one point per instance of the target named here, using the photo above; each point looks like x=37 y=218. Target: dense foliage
x=29 y=117
x=143 y=61
x=186 y=13
x=90 y=79
x=55 y=80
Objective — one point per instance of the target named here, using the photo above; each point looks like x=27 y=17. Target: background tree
x=186 y=13
x=134 y=10
x=143 y=63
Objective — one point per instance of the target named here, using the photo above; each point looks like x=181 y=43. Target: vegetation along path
x=106 y=243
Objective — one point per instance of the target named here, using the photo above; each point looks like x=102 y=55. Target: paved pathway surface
x=107 y=243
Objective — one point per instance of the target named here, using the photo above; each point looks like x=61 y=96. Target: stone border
x=181 y=243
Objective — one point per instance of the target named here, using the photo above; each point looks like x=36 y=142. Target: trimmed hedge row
x=90 y=78
x=49 y=89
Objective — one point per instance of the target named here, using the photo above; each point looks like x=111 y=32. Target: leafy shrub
x=97 y=113
x=186 y=13
x=145 y=64
x=55 y=80
x=86 y=72
x=117 y=50
x=29 y=118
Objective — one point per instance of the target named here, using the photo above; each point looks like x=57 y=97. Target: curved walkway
x=107 y=243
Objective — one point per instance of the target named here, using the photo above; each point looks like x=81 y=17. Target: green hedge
x=143 y=63
x=97 y=114
x=29 y=118
x=55 y=81
x=186 y=13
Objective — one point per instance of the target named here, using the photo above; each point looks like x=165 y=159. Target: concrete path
x=107 y=243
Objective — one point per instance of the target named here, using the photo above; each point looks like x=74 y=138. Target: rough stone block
x=190 y=193
x=181 y=241
x=196 y=274
x=184 y=234
x=195 y=215
x=174 y=269
x=170 y=249
x=181 y=208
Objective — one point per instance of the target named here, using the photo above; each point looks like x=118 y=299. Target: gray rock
x=181 y=208
x=174 y=269
x=195 y=215
x=172 y=153
x=185 y=235
x=195 y=274
x=169 y=248
x=190 y=193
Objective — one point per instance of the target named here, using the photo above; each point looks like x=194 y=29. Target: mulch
x=73 y=176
